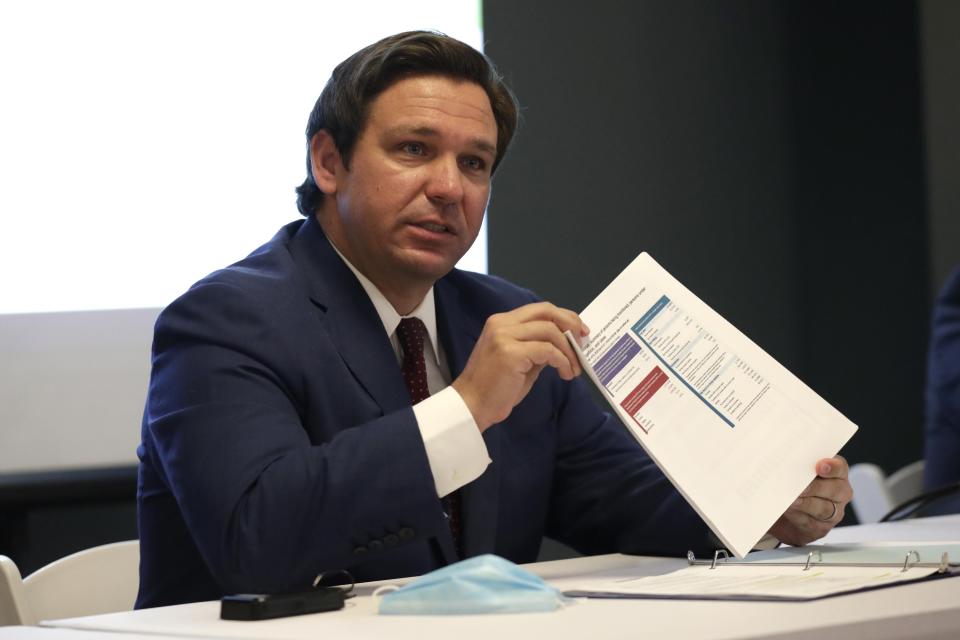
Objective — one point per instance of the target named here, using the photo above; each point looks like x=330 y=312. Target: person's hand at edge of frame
x=819 y=508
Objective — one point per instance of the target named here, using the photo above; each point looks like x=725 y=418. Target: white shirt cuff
x=455 y=449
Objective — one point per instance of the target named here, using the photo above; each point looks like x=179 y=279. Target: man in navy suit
x=280 y=439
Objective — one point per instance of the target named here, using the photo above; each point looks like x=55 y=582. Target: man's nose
x=445 y=182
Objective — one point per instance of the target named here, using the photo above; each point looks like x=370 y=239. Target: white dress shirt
x=455 y=449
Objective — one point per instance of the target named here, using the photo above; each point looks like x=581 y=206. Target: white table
x=51 y=633
x=938 y=529
x=921 y=610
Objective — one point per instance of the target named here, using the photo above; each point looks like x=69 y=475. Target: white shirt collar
x=426 y=310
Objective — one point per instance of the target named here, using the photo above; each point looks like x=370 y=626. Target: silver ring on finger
x=833 y=514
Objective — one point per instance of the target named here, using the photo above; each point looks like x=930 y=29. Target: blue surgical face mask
x=484 y=584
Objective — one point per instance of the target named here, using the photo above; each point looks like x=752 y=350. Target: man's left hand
x=819 y=508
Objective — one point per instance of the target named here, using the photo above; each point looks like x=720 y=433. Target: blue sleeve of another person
x=943 y=391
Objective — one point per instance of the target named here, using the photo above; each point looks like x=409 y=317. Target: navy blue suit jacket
x=278 y=442
x=942 y=465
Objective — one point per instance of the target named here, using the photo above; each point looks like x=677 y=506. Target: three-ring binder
x=721 y=557
x=787 y=573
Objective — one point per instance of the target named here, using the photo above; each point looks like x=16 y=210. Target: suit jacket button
x=405 y=533
x=375 y=545
x=359 y=550
x=391 y=540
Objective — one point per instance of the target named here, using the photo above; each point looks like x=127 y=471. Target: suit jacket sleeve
x=943 y=390
x=230 y=428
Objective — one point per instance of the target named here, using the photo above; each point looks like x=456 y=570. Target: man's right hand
x=512 y=350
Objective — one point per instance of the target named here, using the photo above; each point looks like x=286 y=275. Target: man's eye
x=474 y=163
x=414 y=148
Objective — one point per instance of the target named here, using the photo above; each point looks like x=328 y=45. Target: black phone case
x=252 y=606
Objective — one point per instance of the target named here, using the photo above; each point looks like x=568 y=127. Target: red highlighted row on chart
x=642 y=393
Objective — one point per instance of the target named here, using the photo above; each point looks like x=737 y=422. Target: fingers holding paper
x=819 y=508
x=513 y=348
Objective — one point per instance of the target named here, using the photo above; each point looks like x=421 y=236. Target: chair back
x=98 y=580
x=906 y=483
x=13 y=605
x=875 y=494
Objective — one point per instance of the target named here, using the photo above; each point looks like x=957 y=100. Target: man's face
x=413 y=199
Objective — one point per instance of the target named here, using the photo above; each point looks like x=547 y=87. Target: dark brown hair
x=342 y=107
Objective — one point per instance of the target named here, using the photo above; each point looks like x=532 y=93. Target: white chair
x=98 y=580
x=13 y=606
x=875 y=494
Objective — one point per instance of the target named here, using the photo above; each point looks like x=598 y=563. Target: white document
x=736 y=433
x=753 y=582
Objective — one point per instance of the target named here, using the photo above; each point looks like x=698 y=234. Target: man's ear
x=325 y=163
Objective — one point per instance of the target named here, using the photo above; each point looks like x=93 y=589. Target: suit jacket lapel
x=459 y=328
x=350 y=318
x=356 y=330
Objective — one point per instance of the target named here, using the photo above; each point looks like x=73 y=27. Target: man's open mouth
x=436 y=228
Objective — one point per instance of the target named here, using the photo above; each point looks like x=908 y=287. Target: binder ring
x=816 y=552
x=906 y=561
x=717 y=555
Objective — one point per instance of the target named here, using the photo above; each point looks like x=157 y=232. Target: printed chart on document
x=736 y=433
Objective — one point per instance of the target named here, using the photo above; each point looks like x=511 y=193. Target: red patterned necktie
x=412 y=333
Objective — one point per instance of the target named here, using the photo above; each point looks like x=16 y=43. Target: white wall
x=146 y=144
x=72 y=387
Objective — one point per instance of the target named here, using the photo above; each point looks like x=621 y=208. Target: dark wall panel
x=649 y=126
x=769 y=154
x=862 y=222
x=940 y=23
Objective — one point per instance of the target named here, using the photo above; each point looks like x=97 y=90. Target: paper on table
x=736 y=433
x=746 y=581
